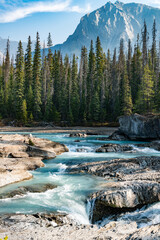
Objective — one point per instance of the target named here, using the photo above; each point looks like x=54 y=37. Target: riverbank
x=29 y=227
x=22 y=153
x=78 y=129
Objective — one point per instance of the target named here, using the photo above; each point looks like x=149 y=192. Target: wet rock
x=114 y=148
x=118 y=136
x=140 y=168
x=38 y=188
x=123 y=197
x=37 y=152
x=81 y=150
x=138 y=127
x=81 y=135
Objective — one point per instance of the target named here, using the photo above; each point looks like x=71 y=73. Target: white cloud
x=39 y=7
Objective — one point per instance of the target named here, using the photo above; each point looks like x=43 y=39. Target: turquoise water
x=70 y=195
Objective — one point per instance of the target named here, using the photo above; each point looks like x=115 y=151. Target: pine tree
x=57 y=83
x=107 y=89
x=37 y=80
x=144 y=102
x=99 y=66
x=6 y=75
x=90 y=79
x=127 y=106
x=50 y=55
x=2 y=105
x=145 y=38
x=11 y=93
x=129 y=60
x=154 y=49
x=29 y=77
x=136 y=71
x=121 y=72
x=24 y=111
x=95 y=107
x=64 y=90
x=19 y=81
x=45 y=84
x=114 y=95
x=154 y=64
x=74 y=92
x=83 y=83
x=68 y=99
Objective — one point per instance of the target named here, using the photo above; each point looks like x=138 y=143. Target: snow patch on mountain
x=97 y=18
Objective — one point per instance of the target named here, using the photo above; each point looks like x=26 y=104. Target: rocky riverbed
x=129 y=184
x=60 y=227
x=22 y=153
x=133 y=183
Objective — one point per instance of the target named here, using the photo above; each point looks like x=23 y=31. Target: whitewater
x=73 y=190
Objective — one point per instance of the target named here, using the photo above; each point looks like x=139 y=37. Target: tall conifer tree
x=19 y=81
x=37 y=80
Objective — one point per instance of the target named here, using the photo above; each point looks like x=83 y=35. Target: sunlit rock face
x=111 y=22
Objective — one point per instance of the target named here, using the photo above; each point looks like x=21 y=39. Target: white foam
x=145 y=150
x=62 y=167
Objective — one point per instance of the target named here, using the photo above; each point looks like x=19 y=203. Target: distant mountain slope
x=13 y=46
x=1 y=57
x=111 y=23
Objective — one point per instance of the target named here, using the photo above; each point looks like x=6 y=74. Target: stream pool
x=70 y=195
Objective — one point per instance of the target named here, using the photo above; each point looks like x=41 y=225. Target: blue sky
x=21 y=18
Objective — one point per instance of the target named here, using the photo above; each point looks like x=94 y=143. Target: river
x=70 y=195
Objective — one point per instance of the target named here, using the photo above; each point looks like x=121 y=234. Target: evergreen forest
x=97 y=87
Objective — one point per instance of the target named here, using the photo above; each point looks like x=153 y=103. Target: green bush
x=31 y=143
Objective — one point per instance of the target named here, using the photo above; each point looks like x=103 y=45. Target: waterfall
x=90 y=207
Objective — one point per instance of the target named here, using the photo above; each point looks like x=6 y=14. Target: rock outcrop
x=135 y=183
x=21 y=153
x=140 y=168
x=118 y=136
x=81 y=135
x=123 y=197
x=20 y=191
x=137 y=127
x=114 y=148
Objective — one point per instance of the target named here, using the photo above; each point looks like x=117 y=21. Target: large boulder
x=123 y=197
x=138 y=127
x=38 y=152
x=118 y=136
x=114 y=148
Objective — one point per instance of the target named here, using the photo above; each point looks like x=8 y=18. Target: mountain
x=111 y=22
x=13 y=48
x=1 y=57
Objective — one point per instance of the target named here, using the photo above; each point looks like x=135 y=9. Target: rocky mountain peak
x=111 y=22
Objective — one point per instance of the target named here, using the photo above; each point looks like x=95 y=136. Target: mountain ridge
x=111 y=22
